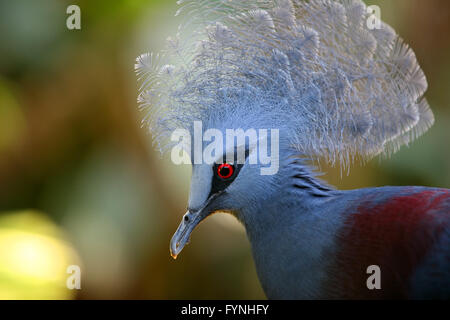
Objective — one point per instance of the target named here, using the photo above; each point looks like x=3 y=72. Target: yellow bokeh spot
x=34 y=257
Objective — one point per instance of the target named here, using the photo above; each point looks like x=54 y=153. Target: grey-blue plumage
x=336 y=89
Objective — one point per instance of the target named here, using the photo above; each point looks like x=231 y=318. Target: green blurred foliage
x=71 y=147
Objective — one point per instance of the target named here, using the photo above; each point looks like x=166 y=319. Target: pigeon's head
x=336 y=88
x=234 y=183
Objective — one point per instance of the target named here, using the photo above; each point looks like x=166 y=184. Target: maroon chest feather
x=396 y=234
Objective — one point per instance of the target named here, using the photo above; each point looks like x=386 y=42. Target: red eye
x=225 y=170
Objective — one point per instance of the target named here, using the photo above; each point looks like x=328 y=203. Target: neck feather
x=303 y=179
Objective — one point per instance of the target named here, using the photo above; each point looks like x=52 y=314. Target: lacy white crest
x=312 y=69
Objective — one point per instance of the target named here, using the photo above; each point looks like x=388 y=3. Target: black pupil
x=225 y=171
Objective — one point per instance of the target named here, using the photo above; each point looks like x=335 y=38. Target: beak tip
x=174 y=255
x=174 y=249
x=181 y=237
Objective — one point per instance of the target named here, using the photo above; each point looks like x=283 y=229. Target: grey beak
x=181 y=237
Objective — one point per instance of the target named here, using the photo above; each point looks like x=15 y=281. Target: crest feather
x=312 y=69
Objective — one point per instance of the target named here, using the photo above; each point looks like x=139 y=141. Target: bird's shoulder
x=398 y=229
